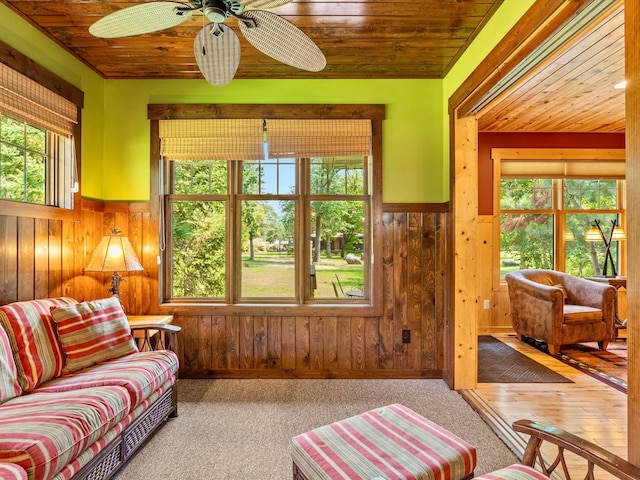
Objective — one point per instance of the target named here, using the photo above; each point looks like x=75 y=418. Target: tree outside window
x=541 y=218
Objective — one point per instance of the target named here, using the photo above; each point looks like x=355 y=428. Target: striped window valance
x=28 y=101
x=256 y=139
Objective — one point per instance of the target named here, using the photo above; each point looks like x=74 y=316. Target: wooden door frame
x=462 y=298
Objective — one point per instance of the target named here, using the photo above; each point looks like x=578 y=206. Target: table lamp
x=114 y=254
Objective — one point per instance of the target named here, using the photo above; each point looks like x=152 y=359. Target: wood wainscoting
x=44 y=252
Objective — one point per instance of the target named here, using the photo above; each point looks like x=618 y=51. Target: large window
x=37 y=154
x=287 y=221
x=544 y=221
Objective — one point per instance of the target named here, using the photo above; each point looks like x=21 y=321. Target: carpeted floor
x=609 y=366
x=499 y=363
x=241 y=429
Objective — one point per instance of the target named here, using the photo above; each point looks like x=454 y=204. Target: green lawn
x=272 y=275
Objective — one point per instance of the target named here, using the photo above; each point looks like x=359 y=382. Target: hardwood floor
x=587 y=408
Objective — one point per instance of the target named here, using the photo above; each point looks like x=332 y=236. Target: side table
x=137 y=320
x=617 y=283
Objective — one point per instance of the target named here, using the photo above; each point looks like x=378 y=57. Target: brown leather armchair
x=561 y=309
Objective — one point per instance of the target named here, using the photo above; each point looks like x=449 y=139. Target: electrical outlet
x=406 y=336
x=487 y=304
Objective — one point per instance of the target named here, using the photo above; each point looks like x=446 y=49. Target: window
x=37 y=155
x=544 y=218
x=268 y=211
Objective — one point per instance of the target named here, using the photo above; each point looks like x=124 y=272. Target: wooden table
x=136 y=320
x=617 y=282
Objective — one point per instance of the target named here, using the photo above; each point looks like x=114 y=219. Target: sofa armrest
x=157 y=336
x=594 y=455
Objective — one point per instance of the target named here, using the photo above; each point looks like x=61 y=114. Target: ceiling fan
x=217 y=47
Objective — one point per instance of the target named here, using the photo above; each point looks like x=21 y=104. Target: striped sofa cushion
x=95 y=448
x=92 y=332
x=141 y=373
x=387 y=442
x=9 y=386
x=514 y=472
x=11 y=471
x=36 y=349
x=43 y=432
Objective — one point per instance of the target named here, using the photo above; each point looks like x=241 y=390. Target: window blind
x=28 y=101
x=245 y=139
x=581 y=163
x=576 y=169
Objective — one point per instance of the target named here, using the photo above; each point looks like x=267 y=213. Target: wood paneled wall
x=44 y=257
x=336 y=346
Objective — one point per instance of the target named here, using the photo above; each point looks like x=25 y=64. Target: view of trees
x=23 y=156
x=268 y=226
x=530 y=230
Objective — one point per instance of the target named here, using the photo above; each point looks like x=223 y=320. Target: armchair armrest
x=594 y=455
x=587 y=292
x=157 y=336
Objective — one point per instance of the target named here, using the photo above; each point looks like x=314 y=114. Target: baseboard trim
x=310 y=374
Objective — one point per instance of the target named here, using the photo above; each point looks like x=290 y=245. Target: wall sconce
x=596 y=234
x=114 y=254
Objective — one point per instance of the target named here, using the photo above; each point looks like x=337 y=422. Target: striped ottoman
x=391 y=443
x=514 y=472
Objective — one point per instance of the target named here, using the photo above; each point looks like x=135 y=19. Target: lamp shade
x=114 y=254
x=618 y=234
x=593 y=235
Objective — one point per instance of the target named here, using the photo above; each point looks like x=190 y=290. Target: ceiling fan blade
x=217 y=51
x=282 y=40
x=263 y=3
x=139 y=19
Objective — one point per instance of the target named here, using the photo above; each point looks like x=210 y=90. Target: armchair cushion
x=581 y=314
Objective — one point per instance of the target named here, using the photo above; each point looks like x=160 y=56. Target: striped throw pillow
x=9 y=386
x=32 y=335
x=92 y=332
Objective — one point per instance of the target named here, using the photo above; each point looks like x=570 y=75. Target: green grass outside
x=272 y=275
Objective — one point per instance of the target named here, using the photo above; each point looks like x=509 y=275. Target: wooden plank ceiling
x=573 y=91
x=360 y=38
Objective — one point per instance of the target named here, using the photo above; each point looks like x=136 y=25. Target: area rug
x=608 y=366
x=499 y=363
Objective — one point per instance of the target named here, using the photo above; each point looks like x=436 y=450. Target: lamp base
x=116 y=280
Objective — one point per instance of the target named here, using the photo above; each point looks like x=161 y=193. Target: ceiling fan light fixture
x=215 y=14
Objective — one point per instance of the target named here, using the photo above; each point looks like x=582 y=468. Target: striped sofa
x=77 y=395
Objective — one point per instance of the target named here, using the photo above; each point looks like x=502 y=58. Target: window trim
x=614 y=155
x=374 y=112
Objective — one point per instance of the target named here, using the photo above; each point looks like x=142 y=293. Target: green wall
x=412 y=131
x=497 y=27
x=31 y=42
x=115 y=143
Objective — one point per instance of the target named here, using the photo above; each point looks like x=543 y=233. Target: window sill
x=350 y=309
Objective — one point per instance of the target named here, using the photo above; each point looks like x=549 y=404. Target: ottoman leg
x=297 y=474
